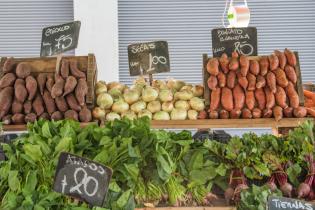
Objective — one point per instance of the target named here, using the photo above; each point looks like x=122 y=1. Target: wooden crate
x=206 y=75
x=48 y=65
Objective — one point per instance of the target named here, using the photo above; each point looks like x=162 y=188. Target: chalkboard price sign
x=279 y=203
x=60 y=38
x=83 y=179
x=228 y=40
x=148 y=58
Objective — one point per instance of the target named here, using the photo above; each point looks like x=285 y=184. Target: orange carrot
x=311 y=112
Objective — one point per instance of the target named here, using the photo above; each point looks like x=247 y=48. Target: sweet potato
x=65 y=68
x=61 y=104
x=250 y=99
x=261 y=81
x=290 y=73
x=27 y=107
x=227 y=99
x=81 y=91
x=244 y=63
x=7 y=120
x=270 y=98
x=288 y=112
x=272 y=82
x=224 y=63
x=235 y=114
x=221 y=79
x=311 y=111
x=201 y=115
x=291 y=58
x=281 y=97
x=212 y=82
x=20 y=92
x=6 y=98
x=38 y=105
x=310 y=95
x=85 y=115
x=31 y=86
x=263 y=65
x=70 y=85
x=215 y=99
x=281 y=78
x=71 y=114
x=73 y=103
x=278 y=113
x=293 y=96
x=57 y=89
x=75 y=71
x=282 y=58
x=235 y=54
x=7 y=80
x=234 y=64
x=251 y=82
x=242 y=81
x=49 y=102
x=273 y=62
x=239 y=97
x=213 y=66
x=31 y=117
x=19 y=82
x=247 y=114
x=260 y=98
x=18 y=118
x=254 y=67
x=213 y=114
x=50 y=83
x=9 y=65
x=257 y=113
x=17 y=107
x=267 y=113
x=45 y=116
x=224 y=114
x=23 y=70
x=300 y=112
x=41 y=82
x=57 y=115
x=231 y=79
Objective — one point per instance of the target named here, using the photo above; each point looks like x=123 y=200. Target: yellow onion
x=98 y=113
x=192 y=114
x=130 y=115
x=186 y=87
x=104 y=100
x=159 y=84
x=145 y=113
x=100 y=87
x=198 y=90
x=197 y=104
x=149 y=94
x=154 y=106
x=140 y=81
x=138 y=106
x=115 y=85
x=184 y=95
x=115 y=93
x=178 y=114
x=165 y=95
x=131 y=96
x=175 y=84
x=161 y=115
x=167 y=106
x=120 y=106
x=182 y=105
x=112 y=116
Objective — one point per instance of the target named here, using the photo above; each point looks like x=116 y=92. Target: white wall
x=99 y=34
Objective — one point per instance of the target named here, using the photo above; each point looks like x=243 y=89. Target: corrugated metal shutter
x=22 y=21
x=187 y=24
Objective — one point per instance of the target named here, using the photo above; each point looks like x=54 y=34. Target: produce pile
x=25 y=98
x=157 y=167
x=163 y=100
x=248 y=88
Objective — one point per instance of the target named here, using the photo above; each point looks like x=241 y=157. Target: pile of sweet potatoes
x=247 y=88
x=25 y=97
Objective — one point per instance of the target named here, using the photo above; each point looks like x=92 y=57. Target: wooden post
x=151 y=79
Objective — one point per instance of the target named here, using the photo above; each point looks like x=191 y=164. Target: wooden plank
x=299 y=84
x=205 y=77
x=91 y=79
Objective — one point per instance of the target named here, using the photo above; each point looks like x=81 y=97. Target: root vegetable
x=231 y=79
x=166 y=95
x=192 y=114
x=167 y=106
x=61 y=104
x=198 y=90
x=267 y=113
x=242 y=81
x=17 y=107
x=71 y=114
x=31 y=117
x=71 y=83
x=260 y=98
x=57 y=89
x=50 y=83
x=310 y=111
x=120 y=106
x=213 y=114
x=286 y=189
x=244 y=63
x=234 y=64
x=18 y=118
x=303 y=190
x=41 y=81
x=23 y=70
x=272 y=82
x=65 y=68
x=221 y=79
x=85 y=115
x=215 y=99
x=213 y=66
x=161 y=115
x=75 y=71
x=131 y=96
x=27 y=106
x=20 y=92
x=139 y=106
x=261 y=82
x=282 y=58
x=239 y=97
x=290 y=73
x=273 y=61
x=246 y=114
x=251 y=82
x=250 y=99
x=197 y=104
x=228 y=194
x=212 y=82
x=178 y=114
x=290 y=57
x=270 y=98
x=49 y=102
x=227 y=99
x=224 y=63
x=112 y=116
x=145 y=113
x=257 y=113
x=98 y=113
x=149 y=94
x=104 y=100
x=9 y=65
x=281 y=97
x=278 y=113
x=45 y=116
x=288 y=112
x=235 y=114
x=7 y=80
x=31 y=86
x=81 y=91
x=73 y=103
x=184 y=95
x=101 y=87
x=155 y=106
x=271 y=184
x=300 y=112
x=264 y=65
x=7 y=120
x=57 y=115
x=292 y=95
x=281 y=78
x=19 y=82
x=224 y=114
x=38 y=106
x=254 y=67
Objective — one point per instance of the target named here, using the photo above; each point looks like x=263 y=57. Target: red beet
x=286 y=189
x=303 y=190
x=228 y=194
x=311 y=195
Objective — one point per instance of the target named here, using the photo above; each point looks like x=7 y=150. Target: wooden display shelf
x=202 y=124
x=188 y=208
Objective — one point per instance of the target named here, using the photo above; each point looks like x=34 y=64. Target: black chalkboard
x=228 y=40
x=60 y=38
x=83 y=179
x=148 y=58
x=279 y=203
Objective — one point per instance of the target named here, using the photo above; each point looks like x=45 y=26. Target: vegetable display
x=157 y=167
x=42 y=95
x=163 y=100
x=242 y=87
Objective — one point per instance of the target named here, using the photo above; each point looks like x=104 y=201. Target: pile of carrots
x=310 y=102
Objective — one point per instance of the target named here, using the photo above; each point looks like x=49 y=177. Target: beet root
x=303 y=190
x=286 y=189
